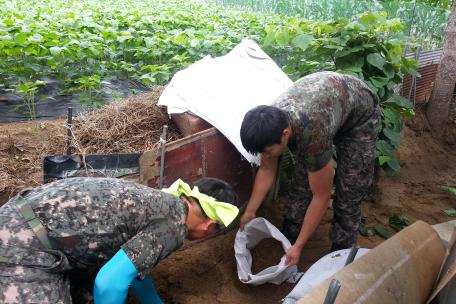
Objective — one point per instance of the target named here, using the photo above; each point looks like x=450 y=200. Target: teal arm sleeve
x=114 y=279
x=145 y=291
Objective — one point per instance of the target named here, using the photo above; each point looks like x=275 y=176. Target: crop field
x=425 y=20
x=67 y=54
x=80 y=44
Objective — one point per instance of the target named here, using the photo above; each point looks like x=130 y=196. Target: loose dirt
x=260 y=261
x=206 y=272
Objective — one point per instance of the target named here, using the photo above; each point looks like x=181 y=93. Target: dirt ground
x=206 y=272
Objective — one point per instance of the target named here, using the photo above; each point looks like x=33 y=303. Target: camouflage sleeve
x=152 y=245
x=317 y=149
x=317 y=161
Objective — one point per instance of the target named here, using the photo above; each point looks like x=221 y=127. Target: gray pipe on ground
x=403 y=269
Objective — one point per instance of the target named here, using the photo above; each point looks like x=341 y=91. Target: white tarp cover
x=221 y=90
x=320 y=271
x=254 y=232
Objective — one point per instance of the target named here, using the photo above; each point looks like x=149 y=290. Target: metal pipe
x=333 y=290
x=163 y=150
x=351 y=255
x=69 y=126
x=413 y=82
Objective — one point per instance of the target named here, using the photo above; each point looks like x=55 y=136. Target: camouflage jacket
x=90 y=219
x=323 y=107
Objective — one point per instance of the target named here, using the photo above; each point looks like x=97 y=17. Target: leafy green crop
x=445 y=4
x=28 y=91
x=425 y=20
x=370 y=48
x=80 y=43
x=308 y=9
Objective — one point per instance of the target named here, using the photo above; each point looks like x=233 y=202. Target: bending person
x=56 y=237
x=320 y=114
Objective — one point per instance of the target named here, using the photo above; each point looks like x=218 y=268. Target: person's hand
x=246 y=217
x=293 y=255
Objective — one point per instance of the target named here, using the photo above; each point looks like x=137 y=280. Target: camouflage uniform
x=328 y=109
x=87 y=221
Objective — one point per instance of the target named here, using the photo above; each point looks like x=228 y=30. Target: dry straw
x=120 y=127
x=131 y=125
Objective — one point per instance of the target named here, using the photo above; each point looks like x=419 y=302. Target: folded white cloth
x=221 y=90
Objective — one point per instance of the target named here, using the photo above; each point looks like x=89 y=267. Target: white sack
x=221 y=90
x=255 y=231
x=320 y=271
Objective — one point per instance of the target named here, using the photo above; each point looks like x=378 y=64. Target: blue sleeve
x=145 y=291
x=114 y=279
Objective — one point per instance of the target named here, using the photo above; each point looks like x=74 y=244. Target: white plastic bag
x=254 y=232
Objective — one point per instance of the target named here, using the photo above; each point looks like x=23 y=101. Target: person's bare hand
x=293 y=255
x=246 y=217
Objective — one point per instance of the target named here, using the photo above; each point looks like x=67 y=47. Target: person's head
x=198 y=223
x=265 y=130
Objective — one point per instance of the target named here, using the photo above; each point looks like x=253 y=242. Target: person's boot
x=291 y=230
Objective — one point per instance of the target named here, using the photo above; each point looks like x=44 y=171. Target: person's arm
x=114 y=279
x=145 y=291
x=263 y=182
x=321 y=183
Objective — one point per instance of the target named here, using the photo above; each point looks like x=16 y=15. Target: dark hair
x=263 y=126
x=218 y=189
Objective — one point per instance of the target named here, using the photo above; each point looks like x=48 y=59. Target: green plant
x=425 y=20
x=451 y=190
x=371 y=231
x=308 y=9
x=369 y=48
x=89 y=90
x=366 y=231
x=446 y=4
x=382 y=232
x=88 y=84
x=156 y=74
x=424 y=23
x=137 y=40
x=398 y=222
x=28 y=91
x=450 y=212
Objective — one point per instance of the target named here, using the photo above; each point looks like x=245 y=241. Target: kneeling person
x=83 y=224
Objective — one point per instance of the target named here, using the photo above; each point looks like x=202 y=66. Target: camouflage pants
x=355 y=168
x=29 y=272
